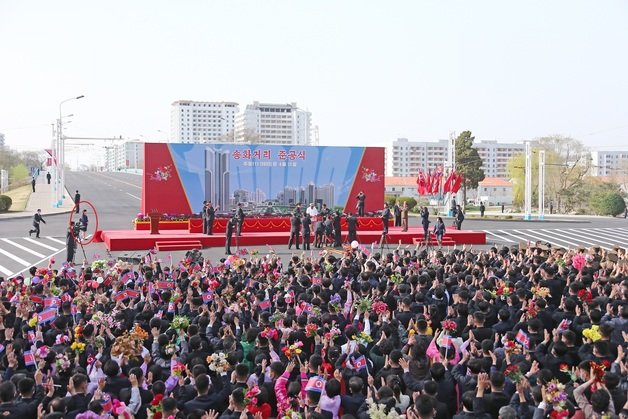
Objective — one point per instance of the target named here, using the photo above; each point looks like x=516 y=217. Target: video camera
x=76 y=229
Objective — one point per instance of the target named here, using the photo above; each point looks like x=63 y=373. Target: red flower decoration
x=585 y=296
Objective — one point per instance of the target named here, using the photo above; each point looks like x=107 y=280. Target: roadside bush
x=5 y=203
x=607 y=203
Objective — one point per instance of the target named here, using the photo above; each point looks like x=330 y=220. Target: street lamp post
x=61 y=155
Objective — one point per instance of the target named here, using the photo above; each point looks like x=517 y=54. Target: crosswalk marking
x=610 y=238
x=15 y=258
x=26 y=249
x=544 y=237
x=584 y=233
x=39 y=243
x=500 y=238
x=55 y=240
x=5 y=271
x=570 y=239
x=516 y=237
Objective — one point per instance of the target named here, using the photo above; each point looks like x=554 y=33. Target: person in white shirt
x=312 y=211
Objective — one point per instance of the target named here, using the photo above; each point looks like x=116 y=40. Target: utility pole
x=528 y=183
x=451 y=165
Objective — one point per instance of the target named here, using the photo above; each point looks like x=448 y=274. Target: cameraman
x=70 y=241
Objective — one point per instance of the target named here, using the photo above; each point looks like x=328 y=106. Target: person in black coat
x=352 y=228
x=351 y=402
x=397 y=212
x=337 y=230
x=206 y=401
x=295 y=229
x=228 y=234
x=307 y=225
x=37 y=218
x=385 y=218
x=319 y=231
x=239 y=219
x=77 y=200
x=211 y=215
x=145 y=395
x=361 y=201
x=79 y=400
x=482 y=209
x=425 y=222
x=459 y=217
x=33 y=183
x=70 y=245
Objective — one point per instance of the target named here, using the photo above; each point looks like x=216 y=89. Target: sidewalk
x=41 y=198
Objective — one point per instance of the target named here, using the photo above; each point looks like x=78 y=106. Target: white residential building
x=406 y=158
x=122 y=156
x=202 y=122
x=268 y=123
x=609 y=163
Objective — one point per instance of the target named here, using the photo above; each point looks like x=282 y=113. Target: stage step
x=432 y=241
x=178 y=245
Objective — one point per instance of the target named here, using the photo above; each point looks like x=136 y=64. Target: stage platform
x=117 y=240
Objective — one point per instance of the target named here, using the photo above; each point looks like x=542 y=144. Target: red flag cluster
x=430 y=182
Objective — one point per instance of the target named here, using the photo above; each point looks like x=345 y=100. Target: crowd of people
x=530 y=331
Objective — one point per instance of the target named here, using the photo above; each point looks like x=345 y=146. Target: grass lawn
x=20 y=197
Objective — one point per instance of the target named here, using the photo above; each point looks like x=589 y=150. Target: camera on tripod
x=76 y=229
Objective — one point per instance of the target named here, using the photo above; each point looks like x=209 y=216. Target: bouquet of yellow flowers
x=77 y=347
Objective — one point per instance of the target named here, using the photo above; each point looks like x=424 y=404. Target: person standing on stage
x=319 y=231
x=228 y=234
x=360 y=206
x=385 y=218
x=307 y=225
x=337 y=229
x=459 y=217
x=324 y=212
x=204 y=216
x=298 y=211
x=295 y=229
x=397 y=213
x=37 y=218
x=404 y=216
x=312 y=211
x=77 y=201
x=425 y=221
x=239 y=219
x=352 y=228
x=211 y=215
x=439 y=231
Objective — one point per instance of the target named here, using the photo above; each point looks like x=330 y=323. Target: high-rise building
x=406 y=158
x=267 y=123
x=217 y=178
x=202 y=122
x=124 y=156
x=609 y=163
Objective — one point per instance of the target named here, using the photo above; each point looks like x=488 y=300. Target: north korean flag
x=523 y=338
x=66 y=297
x=171 y=307
x=37 y=299
x=208 y=297
x=360 y=363
x=159 y=314
x=120 y=296
x=165 y=285
x=31 y=336
x=47 y=316
x=316 y=384
x=29 y=358
x=74 y=309
x=52 y=302
x=264 y=305
x=127 y=276
x=132 y=293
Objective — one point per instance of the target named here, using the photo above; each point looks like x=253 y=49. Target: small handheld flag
x=29 y=358
x=360 y=363
x=47 y=316
x=208 y=297
x=523 y=338
x=316 y=384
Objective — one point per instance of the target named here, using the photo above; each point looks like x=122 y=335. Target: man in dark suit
x=211 y=215
x=145 y=395
x=397 y=212
x=337 y=229
x=319 y=231
x=295 y=229
x=79 y=400
x=204 y=216
x=228 y=234
x=37 y=218
x=352 y=228
x=492 y=402
x=205 y=401
x=239 y=219
x=385 y=218
x=351 y=402
x=77 y=200
x=361 y=200
x=115 y=381
x=425 y=222
x=307 y=225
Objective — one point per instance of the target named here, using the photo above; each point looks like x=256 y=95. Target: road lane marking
x=5 y=271
x=595 y=236
x=537 y=236
x=39 y=243
x=55 y=240
x=15 y=258
x=46 y=259
x=519 y=239
x=121 y=181
x=24 y=248
x=136 y=197
x=610 y=237
x=498 y=236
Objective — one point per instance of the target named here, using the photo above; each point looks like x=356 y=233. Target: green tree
x=468 y=163
x=607 y=203
x=18 y=172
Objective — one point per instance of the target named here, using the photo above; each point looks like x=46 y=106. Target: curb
x=18 y=217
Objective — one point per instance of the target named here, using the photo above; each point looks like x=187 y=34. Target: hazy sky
x=369 y=71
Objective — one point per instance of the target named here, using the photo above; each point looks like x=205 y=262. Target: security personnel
x=295 y=229
x=229 y=233
x=352 y=228
x=337 y=229
x=307 y=223
x=385 y=218
x=239 y=219
x=37 y=218
x=211 y=215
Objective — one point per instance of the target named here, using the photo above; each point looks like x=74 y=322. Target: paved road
x=116 y=197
